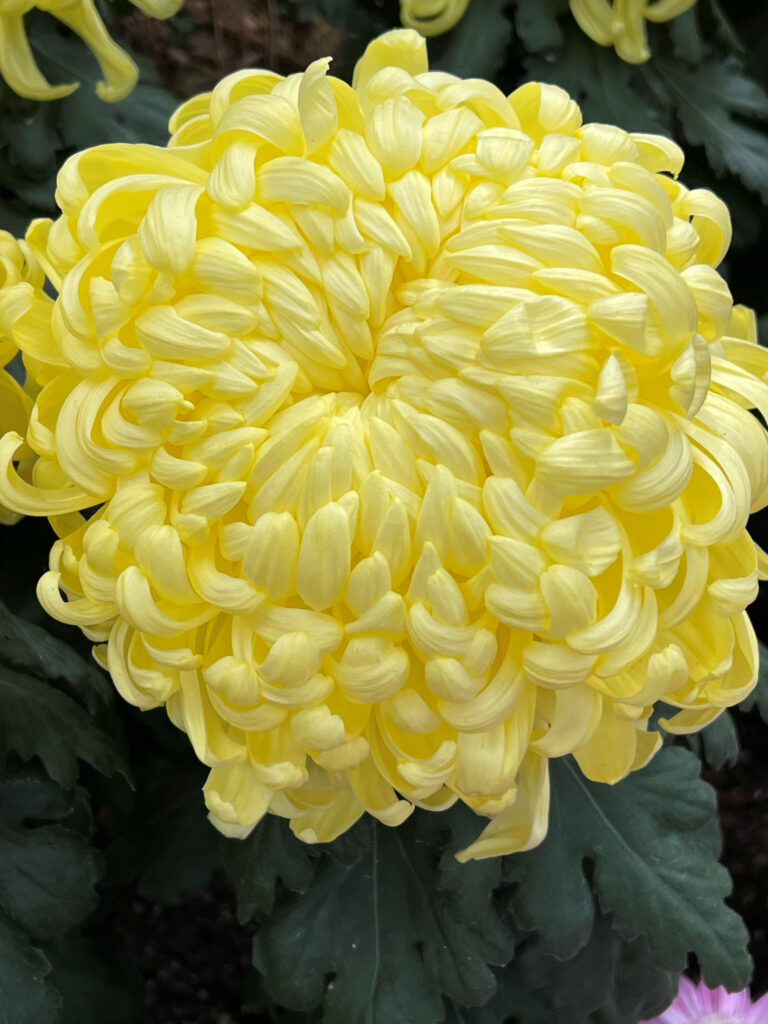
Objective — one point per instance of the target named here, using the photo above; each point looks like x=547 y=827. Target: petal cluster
x=622 y=23
x=18 y=66
x=416 y=421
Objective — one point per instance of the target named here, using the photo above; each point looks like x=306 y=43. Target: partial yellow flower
x=432 y=17
x=19 y=68
x=418 y=421
x=21 y=279
x=621 y=23
x=617 y=23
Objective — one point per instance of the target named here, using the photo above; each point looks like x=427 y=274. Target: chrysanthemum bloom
x=19 y=68
x=617 y=23
x=417 y=420
x=621 y=23
x=432 y=17
x=20 y=278
x=697 y=1004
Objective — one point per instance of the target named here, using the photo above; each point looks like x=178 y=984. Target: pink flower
x=697 y=1004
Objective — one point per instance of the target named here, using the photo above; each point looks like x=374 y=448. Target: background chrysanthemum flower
x=20 y=278
x=418 y=419
x=621 y=23
x=697 y=1004
x=19 y=68
x=432 y=17
x=617 y=23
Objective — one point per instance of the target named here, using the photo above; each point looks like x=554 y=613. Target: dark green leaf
x=47 y=877
x=27 y=647
x=33 y=142
x=708 y=107
x=687 y=40
x=718 y=744
x=395 y=927
x=653 y=841
x=475 y=48
x=725 y=29
x=641 y=989
x=721 y=742
x=25 y=997
x=94 y=987
x=608 y=981
x=27 y=795
x=141 y=117
x=270 y=852
x=38 y=720
x=537 y=23
x=752 y=25
x=47 y=872
x=169 y=844
x=14 y=216
x=553 y=897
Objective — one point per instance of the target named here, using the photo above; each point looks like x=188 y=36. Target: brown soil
x=743 y=797
x=212 y=38
x=193 y=955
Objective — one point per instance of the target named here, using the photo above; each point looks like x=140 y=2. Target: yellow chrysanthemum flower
x=432 y=17
x=17 y=63
x=417 y=419
x=621 y=23
x=20 y=277
x=617 y=23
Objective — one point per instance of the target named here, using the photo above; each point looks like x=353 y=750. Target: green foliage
x=476 y=47
x=539 y=25
x=609 y=981
x=36 y=719
x=94 y=986
x=167 y=844
x=396 y=921
x=270 y=853
x=49 y=870
x=653 y=842
x=25 y=996
x=385 y=921
x=715 y=110
x=54 y=710
x=47 y=877
x=29 y=649
x=718 y=744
